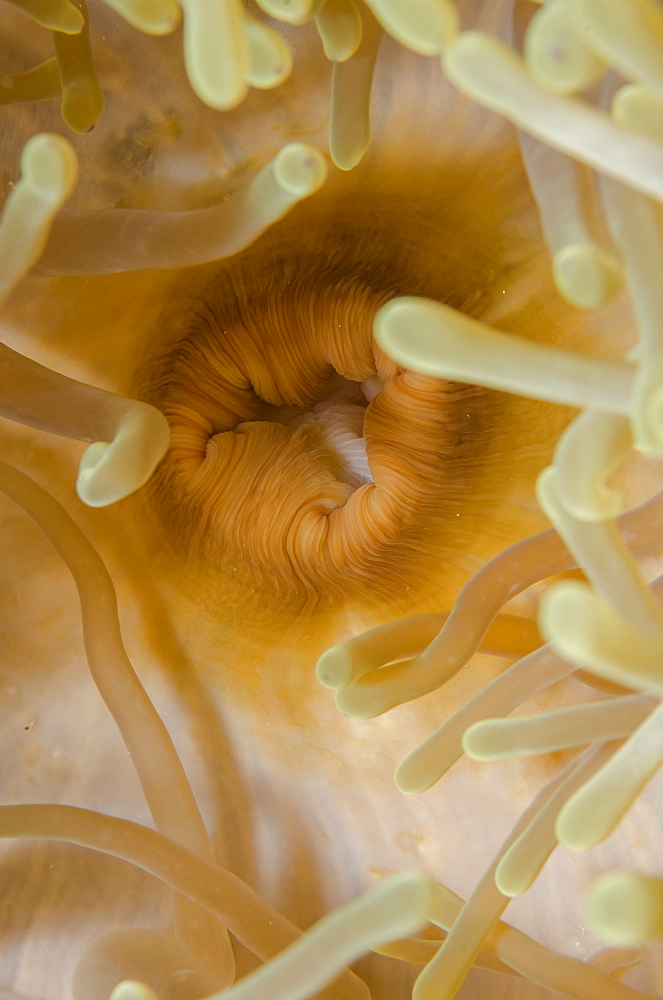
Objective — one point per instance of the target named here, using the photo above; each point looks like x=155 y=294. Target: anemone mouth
x=263 y=365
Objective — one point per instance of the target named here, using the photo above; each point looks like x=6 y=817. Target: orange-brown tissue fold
x=254 y=486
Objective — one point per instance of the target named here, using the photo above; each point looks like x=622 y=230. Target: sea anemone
x=303 y=343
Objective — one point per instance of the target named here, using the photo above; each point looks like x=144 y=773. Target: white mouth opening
x=341 y=419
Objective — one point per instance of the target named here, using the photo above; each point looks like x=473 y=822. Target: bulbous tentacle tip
x=300 y=169
x=109 y=472
x=49 y=167
x=626 y=908
x=130 y=990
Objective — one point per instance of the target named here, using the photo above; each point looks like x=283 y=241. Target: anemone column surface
x=222 y=277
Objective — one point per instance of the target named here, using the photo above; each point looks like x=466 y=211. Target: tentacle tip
x=132 y=990
x=347 y=704
x=50 y=166
x=473 y=743
x=165 y=20
x=348 y=161
x=72 y=21
x=300 y=170
x=110 y=472
x=221 y=91
x=88 y=484
x=296 y=13
x=624 y=908
x=408 y=781
x=574 y=833
x=586 y=275
x=510 y=883
x=332 y=668
x=81 y=114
